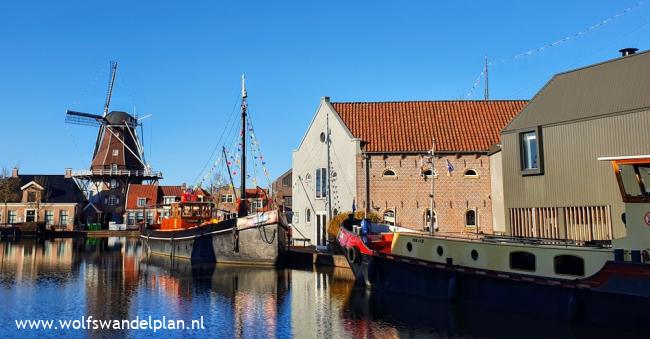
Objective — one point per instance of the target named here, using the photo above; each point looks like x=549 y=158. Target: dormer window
x=142 y=202
x=31 y=196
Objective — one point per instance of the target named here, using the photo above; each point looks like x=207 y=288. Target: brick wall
x=40 y=213
x=408 y=192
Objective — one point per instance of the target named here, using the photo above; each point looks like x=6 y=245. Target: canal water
x=111 y=279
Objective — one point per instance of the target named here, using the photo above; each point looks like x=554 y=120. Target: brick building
x=152 y=202
x=379 y=159
x=226 y=197
x=53 y=199
x=281 y=191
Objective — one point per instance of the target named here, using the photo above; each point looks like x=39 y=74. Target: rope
x=556 y=43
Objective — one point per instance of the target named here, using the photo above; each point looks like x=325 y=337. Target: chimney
x=325 y=99
x=628 y=51
x=68 y=173
x=14 y=172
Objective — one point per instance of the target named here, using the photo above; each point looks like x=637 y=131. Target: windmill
x=117 y=161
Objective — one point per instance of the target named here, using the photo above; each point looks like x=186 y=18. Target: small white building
x=311 y=203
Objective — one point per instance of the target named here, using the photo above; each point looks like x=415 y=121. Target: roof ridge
x=620 y=58
x=424 y=101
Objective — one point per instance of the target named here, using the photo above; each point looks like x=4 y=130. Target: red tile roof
x=457 y=126
x=170 y=191
x=141 y=191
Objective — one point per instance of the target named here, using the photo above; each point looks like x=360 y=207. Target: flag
x=450 y=167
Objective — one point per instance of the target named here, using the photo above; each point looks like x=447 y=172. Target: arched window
x=471 y=173
x=389 y=217
x=308 y=215
x=569 y=265
x=389 y=174
x=308 y=177
x=470 y=218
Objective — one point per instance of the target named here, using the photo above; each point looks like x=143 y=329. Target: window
x=530 y=151
x=308 y=215
x=113 y=167
x=139 y=217
x=389 y=174
x=168 y=200
x=112 y=200
x=286 y=181
x=131 y=218
x=116 y=152
x=308 y=177
x=257 y=203
x=569 y=265
x=296 y=217
x=226 y=198
x=522 y=261
x=142 y=202
x=470 y=218
x=149 y=217
x=114 y=183
x=12 y=217
x=287 y=200
x=63 y=217
x=389 y=217
x=49 y=217
x=427 y=173
x=31 y=196
x=471 y=173
x=321 y=183
x=427 y=219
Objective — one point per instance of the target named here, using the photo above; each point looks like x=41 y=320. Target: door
x=321 y=229
x=30 y=215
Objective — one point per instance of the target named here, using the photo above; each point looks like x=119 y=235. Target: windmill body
x=117 y=161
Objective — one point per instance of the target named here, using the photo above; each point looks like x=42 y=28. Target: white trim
x=35 y=214
x=30 y=184
x=625 y=157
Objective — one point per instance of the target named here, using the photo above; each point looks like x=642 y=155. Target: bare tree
x=9 y=187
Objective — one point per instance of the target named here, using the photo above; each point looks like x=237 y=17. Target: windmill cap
x=120 y=118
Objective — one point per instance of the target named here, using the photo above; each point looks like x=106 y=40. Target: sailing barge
x=257 y=238
x=596 y=282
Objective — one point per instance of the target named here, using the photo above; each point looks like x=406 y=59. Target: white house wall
x=312 y=154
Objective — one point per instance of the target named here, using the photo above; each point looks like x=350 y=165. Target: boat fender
x=452 y=287
x=572 y=307
x=352 y=254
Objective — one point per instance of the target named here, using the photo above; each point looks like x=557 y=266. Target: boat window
x=522 y=261
x=569 y=265
x=635 y=179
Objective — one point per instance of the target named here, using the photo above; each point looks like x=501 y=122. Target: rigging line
x=562 y=41
x=259 y=150
x=226 y=126
x=345 y=180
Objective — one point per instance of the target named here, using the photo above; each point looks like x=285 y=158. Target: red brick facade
x=408 y=192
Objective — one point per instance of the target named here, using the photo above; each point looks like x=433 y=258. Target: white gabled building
x=310 y=181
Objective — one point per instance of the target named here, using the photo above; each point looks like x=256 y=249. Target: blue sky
x=181 y=62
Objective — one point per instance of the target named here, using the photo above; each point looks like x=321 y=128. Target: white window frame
x=116 y=152
x=142 y=202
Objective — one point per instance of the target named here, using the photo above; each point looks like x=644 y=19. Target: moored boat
x=598 y=281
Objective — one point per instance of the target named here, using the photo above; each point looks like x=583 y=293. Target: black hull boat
x=258 y=239
x=194 y=244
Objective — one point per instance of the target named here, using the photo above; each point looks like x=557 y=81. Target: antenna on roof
x=486 y=95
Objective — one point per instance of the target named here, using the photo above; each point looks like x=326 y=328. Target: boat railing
x=546 y=241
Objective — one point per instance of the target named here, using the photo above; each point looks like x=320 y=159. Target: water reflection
x=111 y=278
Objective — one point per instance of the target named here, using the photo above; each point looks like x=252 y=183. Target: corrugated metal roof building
x=554 y=186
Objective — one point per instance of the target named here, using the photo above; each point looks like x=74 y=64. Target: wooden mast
x=243 y=208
